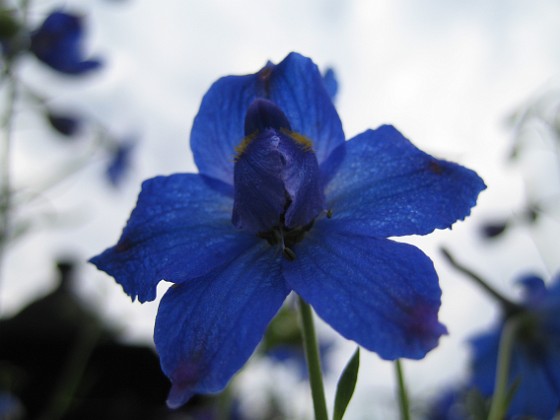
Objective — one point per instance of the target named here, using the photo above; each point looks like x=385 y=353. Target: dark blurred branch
x=509 y=306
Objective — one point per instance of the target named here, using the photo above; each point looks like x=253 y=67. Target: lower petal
x=382 y=294
x=206 y=329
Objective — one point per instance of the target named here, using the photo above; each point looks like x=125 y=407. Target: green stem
x=507 y=340
x=5 y=165
x=72 y=373
x=510 y=307
x=313 y=361
x=403 y=396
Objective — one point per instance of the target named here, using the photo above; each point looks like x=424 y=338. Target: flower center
x=277 y=185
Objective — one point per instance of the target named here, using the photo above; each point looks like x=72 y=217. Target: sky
x=448 y=74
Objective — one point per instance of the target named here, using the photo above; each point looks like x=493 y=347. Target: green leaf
x=346 y=385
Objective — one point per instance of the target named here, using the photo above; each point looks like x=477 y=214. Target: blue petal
x=534 y=288
x=120 y=162
x=331 y=84
x=263 y=114
x=294 y=85
x=206 y=329
x=382 y=294
x=485 y=357
x=392 y=188
x=179 y=230
x=277 y=179
x=58 y=44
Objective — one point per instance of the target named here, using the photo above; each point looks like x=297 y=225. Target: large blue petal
x=179 y=230
x=392 y=188
x=206 y=329
x=295 y=85
x=382 y=294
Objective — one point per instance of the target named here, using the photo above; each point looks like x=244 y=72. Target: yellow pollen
x=241 y=147
x=301 y=140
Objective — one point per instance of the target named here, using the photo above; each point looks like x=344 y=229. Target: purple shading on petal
x=382 y=294
x=207 y=328
x=390 y=187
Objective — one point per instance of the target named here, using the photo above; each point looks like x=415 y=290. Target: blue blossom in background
x=535 y=360
x=282 y=202
x=119 y=162
x=66 y=124
x=58 y=44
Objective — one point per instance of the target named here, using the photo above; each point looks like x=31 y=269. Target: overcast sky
x=446 y=73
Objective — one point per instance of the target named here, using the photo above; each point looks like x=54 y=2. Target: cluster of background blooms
x=58 y=42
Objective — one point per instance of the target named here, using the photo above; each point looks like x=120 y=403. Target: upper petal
x=179 y=230
x=382 y=294
x=393 y=188
x=295 y=85
x=206 y=329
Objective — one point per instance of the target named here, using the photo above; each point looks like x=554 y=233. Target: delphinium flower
x=58 y=43
x=283 y=203
x=534 y=370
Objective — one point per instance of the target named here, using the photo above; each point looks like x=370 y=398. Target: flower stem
x=507 y=340
x=403 y=396
x=313 y=361
x=5 y=164
x=509 y=307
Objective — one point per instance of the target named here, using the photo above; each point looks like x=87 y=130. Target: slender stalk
x=72 y=373
x=403 y=395
x=509 y=307
x=5 y=165
x=507 y=340
x=313 y=361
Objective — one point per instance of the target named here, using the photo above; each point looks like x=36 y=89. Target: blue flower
x=58 y=44
x=119 y=162
x=535 y=360
x=282 y=202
